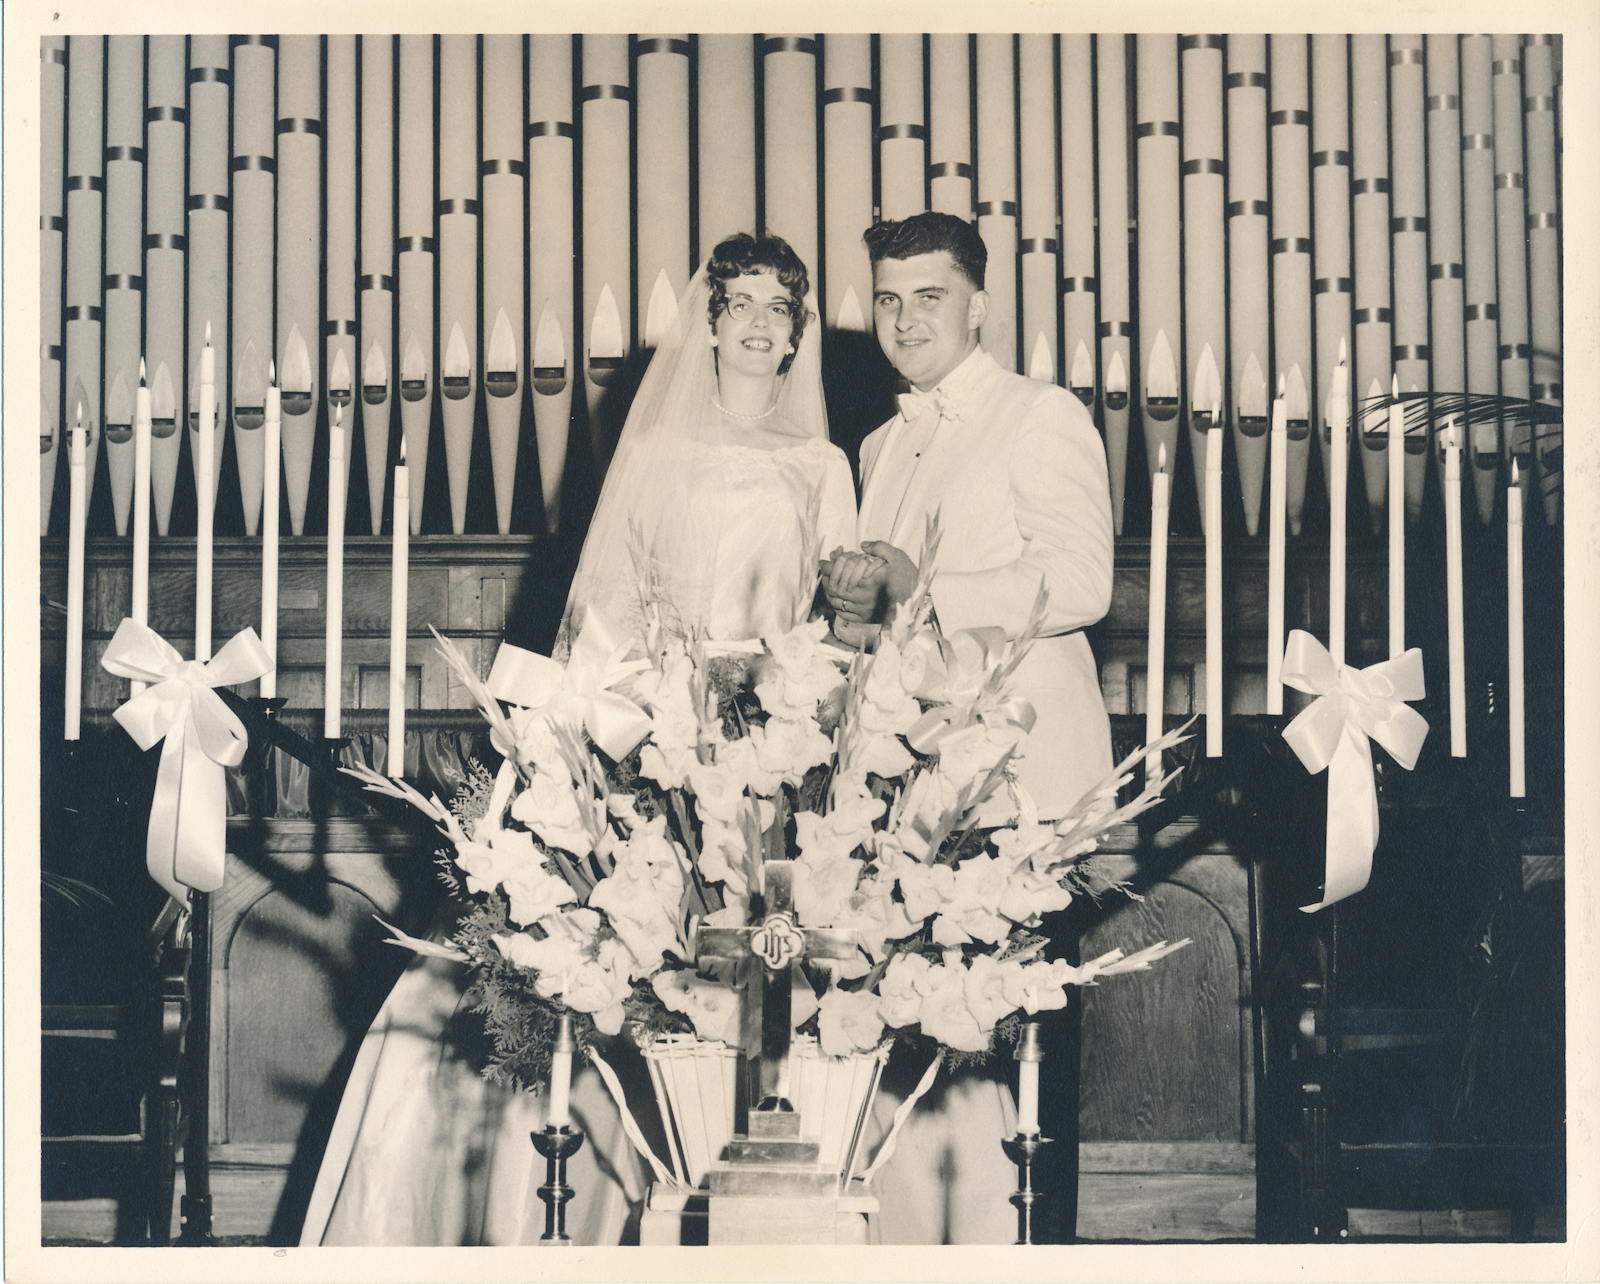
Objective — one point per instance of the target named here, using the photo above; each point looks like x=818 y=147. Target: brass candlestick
x=558 y=1143
x=1024 y=1149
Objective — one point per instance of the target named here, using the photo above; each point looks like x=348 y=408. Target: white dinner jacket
x=1017 y=474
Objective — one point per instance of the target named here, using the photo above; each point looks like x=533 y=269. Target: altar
x=1320 y=340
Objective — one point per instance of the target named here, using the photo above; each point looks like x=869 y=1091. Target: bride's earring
x=713 y=340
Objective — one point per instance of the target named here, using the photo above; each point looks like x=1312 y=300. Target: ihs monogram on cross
x=775 y=937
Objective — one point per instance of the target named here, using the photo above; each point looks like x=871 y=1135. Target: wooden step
x=773 y=1123
x=777 y=1152
x=773 y=1182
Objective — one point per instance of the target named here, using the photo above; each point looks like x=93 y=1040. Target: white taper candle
x=1338 y=479
x=1029 y=1054
x=1028 y=1098
x=139 y=602
x=139 y=599
x=1213 y=484
x=399 y=568
x=1277 y=514
x=205 y=499
x=560 y=1113
x=77 y=516
x=1156 y=658
x=1514 y=648
x=333 y=686
x=1397 y=521
x=1453 y=592
x=272 y=443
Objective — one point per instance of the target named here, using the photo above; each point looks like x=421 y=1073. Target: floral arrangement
x=645 y=782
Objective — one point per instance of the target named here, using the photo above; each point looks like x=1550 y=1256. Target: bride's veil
x=642 y=505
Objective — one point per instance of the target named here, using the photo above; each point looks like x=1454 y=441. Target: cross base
x=674 y=1218
x=771 y=1189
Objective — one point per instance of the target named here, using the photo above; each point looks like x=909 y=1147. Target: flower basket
x=834 y=1096
x=671 y=826
x=697 y=1086
x=696 y=1082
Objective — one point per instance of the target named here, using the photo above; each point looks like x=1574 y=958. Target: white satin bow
x=1353 y=706
x=187 y=839
x=956 y=671
x=579 y=690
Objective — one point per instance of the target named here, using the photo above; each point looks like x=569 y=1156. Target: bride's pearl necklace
x=734 y=414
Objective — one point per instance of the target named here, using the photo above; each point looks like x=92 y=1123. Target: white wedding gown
x=424 y=1151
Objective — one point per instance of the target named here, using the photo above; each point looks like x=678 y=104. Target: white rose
x=925 y=888
x=535 y=893
x=948 y=1016
x=849 y=1022
x=822 y=888
x=537 y=743
x=790 y=747
x=599 y=986
x=549 y=806
x=668 y=767
x=722 y=855
x=1037 y=987
x=739 y=759
x=882 y=755
x=906 y=982
x=712 y=1007
x=718 y=792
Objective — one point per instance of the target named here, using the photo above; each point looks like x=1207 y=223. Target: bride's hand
x=854 y=586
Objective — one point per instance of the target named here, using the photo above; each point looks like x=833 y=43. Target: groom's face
x=927 y=315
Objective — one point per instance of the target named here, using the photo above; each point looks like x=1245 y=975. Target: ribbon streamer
x=629 y=1125
x=886 y=1151
x=580 y=690
x=955 y=671
x=1354 y=707
x=187 y=839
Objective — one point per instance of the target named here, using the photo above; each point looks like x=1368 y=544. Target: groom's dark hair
x=929 y=233
x=745 y=255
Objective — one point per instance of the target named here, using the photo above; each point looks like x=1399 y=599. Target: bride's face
x=753 y=332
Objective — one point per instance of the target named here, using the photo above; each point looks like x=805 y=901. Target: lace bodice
x=728 y=552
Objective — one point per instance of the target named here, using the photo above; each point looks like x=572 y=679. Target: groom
x=1016 y=473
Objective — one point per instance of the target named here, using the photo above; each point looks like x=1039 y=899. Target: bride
x=724 y=472
x=723 y=485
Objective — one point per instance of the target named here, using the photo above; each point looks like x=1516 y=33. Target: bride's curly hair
x=745 y=255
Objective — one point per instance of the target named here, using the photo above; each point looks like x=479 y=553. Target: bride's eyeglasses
x=741 y=307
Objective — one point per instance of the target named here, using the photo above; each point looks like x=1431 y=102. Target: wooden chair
x=128 y=1057
x=1400 y=1105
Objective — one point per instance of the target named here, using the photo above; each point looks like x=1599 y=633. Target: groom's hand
x=861 y=587
x=900 y=573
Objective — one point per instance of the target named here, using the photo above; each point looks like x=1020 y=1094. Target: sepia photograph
x=892 y=642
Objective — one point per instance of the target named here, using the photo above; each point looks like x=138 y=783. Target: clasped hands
x=862 y=587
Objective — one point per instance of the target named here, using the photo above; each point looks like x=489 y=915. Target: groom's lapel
x=943 y=461
x=884 y=484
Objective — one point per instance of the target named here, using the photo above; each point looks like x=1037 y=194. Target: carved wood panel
x=299 y=964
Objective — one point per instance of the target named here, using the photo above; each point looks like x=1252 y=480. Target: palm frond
x=1422 y=409
x=72 y=890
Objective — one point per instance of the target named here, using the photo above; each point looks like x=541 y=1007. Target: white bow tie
x=915 y=404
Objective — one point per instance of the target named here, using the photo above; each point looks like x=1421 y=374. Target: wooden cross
x=775 y=937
